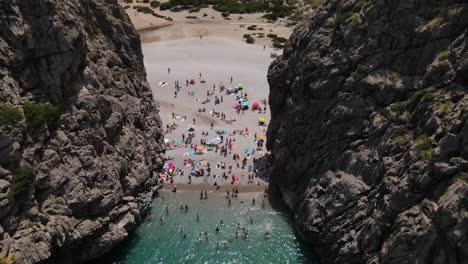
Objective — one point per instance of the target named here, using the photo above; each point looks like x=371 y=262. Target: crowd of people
x=232 y=164
x=240 y=231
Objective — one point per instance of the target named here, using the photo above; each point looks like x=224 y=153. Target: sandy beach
x=209 y=23
x=209 y=51
x=216 y=60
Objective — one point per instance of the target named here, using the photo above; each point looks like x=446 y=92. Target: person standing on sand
x=168 y=70
x=201 y=37
x=193 y=120
x=231 y=79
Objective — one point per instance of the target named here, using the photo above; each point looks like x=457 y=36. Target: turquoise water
x=154 y=242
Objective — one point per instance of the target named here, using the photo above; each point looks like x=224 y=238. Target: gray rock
x=368 y=133
x=85 y=58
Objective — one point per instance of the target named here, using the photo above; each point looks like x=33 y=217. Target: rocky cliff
x=369 y=130
x=80 y=141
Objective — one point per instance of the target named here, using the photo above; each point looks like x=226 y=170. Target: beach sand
x=218 y=55
x=154 y=29
x=217 y=59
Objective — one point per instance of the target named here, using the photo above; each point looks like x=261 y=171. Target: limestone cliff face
x=73 y=187
x=369 y=130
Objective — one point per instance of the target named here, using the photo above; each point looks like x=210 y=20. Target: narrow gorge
x=365 y=126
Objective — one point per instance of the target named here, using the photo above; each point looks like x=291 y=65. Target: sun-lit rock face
x=369 y=130
x=82 y=148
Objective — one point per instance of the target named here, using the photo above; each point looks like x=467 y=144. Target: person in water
x=161 y=220
x=267 y=234
x=167 y=209
x=198 y=217
x=253 y=201
x=217 y=229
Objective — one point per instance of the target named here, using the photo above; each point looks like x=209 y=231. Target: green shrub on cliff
x=423 y=146
x=22 y=182
x=39 y=117
x=91 y=29
x=413 y=101
x=9 y=115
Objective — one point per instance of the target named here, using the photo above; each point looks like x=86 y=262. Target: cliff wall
x=369 y=130
x=80 y=140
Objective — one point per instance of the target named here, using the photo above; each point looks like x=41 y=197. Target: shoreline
x=243 y=188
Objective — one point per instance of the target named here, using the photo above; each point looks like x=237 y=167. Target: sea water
x=156 y=242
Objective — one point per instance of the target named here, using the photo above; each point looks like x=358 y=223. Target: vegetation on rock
x=423 y=145
x=22 y=181
x=40 y=117
x=91 y=29
x=9 y=115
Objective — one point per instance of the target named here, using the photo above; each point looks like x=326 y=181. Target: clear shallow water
x=163 y=243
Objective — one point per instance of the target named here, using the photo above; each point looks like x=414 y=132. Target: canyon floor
x=154 y=29
x=210 y=52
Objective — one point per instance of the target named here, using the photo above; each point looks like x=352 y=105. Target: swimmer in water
x=184 y=237
x=167 y=209
x=236 y=235
x=253 y=201
x=161 y=220
x=238 y=225
x=181 y=229
x=217 y=229
x=267 y=234
x=198 y=217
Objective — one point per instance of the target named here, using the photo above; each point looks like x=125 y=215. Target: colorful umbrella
x=262 y=119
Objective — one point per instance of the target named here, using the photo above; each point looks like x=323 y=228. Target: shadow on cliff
x=277 y=203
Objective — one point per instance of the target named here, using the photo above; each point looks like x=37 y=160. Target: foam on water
x=154 y=242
